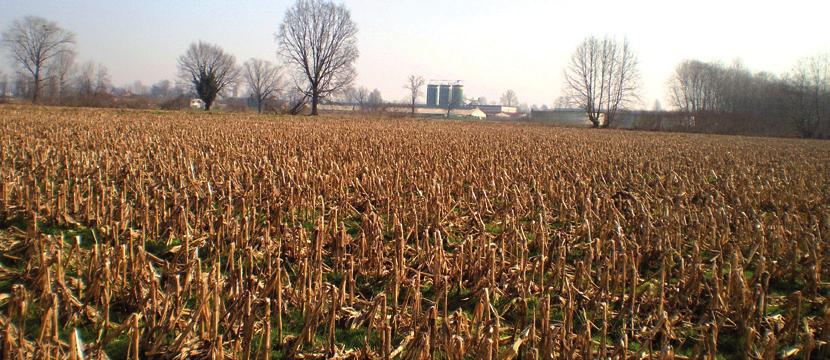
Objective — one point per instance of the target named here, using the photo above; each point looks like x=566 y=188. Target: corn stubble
x=178 y=235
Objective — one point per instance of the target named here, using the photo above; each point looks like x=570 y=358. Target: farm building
x=474 y=113
x=443 y=93
x=494 y=110
x=197 y=104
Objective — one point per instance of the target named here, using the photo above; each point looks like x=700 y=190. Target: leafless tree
x=161 y=89
x=692 y=88
x=4 y=84
x=138 y=88
x=509 y=98
x=562 y=103
x=297 y=101
x=732 y=99
x=92 y=79
x=103 y=81
x=263 y=79
x=358 y=96
x=59 y=75
x=33 y=42
x=21 y=86
x=414 y=85
x=209 y=70
x=319 y=39
x=374 y=102
x=85 y=79
x=810 y=107
x=602 y=78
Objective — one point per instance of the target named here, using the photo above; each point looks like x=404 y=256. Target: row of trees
x=799 y=99
x=318 y=46
x=47 y=71
x=602 y=79
x=317 y=40
x=45 y=55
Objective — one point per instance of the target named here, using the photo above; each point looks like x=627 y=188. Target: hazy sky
x=491 y=45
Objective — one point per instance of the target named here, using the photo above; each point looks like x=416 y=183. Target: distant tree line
x=734 y=99
x=317 y=47
x=602 y=79
x=316 y=42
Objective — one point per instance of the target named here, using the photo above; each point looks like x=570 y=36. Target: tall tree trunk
x=36 y=90
x=314 y=100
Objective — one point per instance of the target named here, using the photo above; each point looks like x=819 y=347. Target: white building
x=197 y=104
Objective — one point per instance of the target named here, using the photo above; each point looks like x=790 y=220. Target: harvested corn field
x=173 y=235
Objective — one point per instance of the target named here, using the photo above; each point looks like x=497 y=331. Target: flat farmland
x=173 y=235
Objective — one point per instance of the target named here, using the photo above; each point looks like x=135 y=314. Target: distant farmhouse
x=501 y=112
x=197 y=104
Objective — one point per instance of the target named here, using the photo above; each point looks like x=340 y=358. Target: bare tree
x=509 y=98
x=33 y=42
x=59 y=75
x=602 y=78
x=319 y=39
x=375 y=101
x=161 y=89
x=92 y=84
x=692 y=88
x=21 y=85
x=358 y=96
x=414 y=85
x=562 y=103
x=730 y=98
x=810 y=80
x=85 y=79
x=4 y=84
x=209 y=70
x=138 y=88
x=263 y=80
x=103 y=81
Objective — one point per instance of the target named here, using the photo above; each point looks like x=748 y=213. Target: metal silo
x=444 y=95
x=432 y=95
x=457 y=96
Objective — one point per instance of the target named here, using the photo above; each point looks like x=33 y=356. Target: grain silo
x=432 y=95
x=457 y=100
x=444 y=95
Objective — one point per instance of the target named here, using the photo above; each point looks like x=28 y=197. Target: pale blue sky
x=491 y=45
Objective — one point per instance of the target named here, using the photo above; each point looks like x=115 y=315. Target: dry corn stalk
x=184 y=236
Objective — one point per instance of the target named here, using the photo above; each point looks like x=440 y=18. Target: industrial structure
x=445 y=93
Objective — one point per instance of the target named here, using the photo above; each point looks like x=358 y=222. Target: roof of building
x=494 y=109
